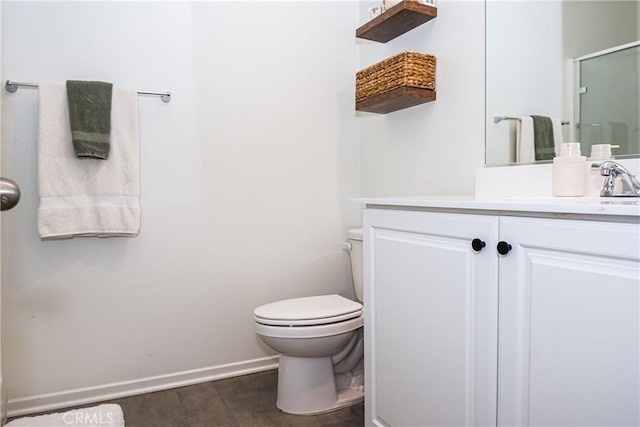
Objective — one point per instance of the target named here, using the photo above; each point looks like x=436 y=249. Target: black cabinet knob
x=477 y=245
x=503 y=248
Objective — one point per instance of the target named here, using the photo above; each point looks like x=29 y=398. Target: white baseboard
x=81 y=396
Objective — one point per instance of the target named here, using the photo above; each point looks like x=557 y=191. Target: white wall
x=524 y=73
x=246 y=180
x=433 y=148
x=590 y=26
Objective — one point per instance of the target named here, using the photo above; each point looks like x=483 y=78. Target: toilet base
x=306 y=386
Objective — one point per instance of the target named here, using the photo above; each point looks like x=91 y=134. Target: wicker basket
x=404 y=69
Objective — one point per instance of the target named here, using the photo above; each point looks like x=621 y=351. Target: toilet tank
x=354 y=236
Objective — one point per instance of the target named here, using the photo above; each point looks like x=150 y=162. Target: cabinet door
x=569 y=323
x=430 y=319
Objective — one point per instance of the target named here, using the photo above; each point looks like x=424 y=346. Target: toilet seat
x=308 y=311
x=317 y=331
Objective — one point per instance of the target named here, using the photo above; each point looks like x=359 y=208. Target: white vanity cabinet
x=548 y=334
x=431 y=319
x=569 y=323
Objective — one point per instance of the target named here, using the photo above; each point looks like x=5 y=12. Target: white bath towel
x=87 y=197
x=525 y=144
x=108 y=415
x=525 y=140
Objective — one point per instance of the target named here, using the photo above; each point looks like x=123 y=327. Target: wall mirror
x=573 y=61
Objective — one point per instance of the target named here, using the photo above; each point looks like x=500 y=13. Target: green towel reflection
x=543 y=138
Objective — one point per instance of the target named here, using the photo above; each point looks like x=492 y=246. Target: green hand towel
x=543 y=138
x=90 y=117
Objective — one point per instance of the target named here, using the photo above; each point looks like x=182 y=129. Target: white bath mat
x=108 y=415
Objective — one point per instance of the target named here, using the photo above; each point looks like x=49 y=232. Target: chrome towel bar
x=12 y=87
x=498 y=119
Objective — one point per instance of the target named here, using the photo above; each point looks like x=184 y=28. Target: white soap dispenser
x=569 y=171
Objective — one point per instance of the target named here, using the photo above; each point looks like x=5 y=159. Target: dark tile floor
x=248 y=401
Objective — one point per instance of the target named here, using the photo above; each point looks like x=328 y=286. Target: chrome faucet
x=613 y=170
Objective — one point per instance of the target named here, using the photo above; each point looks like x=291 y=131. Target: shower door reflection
x=608 y=99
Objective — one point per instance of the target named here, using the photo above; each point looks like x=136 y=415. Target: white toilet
x=320 y=344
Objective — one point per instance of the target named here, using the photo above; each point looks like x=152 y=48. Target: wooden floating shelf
x=399 y=19
x=396 y=99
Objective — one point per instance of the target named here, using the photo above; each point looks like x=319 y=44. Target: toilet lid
x=354 y=234
x=308 y=311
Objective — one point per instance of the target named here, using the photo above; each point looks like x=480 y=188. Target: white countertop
x=615 y=206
